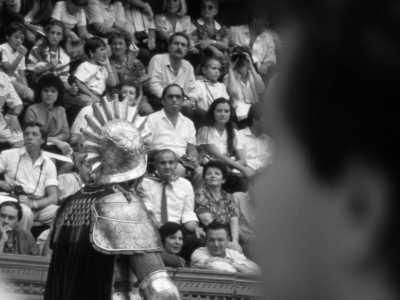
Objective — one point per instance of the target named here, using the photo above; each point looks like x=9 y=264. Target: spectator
x=213 y=204
x=124 y=60
x=49 y=55
x=256 y=37
x=172 y=130
x=72 y=14
x=106 y=17
x=31 y=177
x=218 y=257
x=168 y=68
x=207 y=88
x=243 y=83
x=12 y=239
x=140 y=22
x=219 y=140
x=48 y=112
x=258 y=146
x=13 y=60
x=93 y=76
x=172 y=239
x=10 y=129
x=173 y=19
x=210 y=37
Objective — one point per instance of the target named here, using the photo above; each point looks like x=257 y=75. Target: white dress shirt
x=180 y=199
x=166 y=136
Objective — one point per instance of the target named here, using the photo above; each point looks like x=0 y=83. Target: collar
x=156 y=177
x=168 y=63
x=9 y=48
x=216 y=24
x=24 y=152
x=164 y=115
x=205 y=80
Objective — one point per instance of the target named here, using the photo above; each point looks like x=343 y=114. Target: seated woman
x=211 y=38
x=47 y=111
x=172 y=239
x=214 y=205
x=105 y=17
x=72 y=14
x=10 y=129
x=172 y=19
x=218 y=140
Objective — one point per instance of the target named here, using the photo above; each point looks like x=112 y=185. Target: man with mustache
x=168 y=68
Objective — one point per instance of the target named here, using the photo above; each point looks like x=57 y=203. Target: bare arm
x=85 y=90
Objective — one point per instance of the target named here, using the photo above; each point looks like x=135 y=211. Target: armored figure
x=105 y=227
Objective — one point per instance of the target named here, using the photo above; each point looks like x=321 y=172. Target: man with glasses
x=30 y=178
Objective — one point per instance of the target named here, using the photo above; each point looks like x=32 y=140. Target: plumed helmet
x=115 y=145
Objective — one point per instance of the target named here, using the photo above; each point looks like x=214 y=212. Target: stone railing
x=24 y=277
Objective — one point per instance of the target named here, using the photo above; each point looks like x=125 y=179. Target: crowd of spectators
x=198 y=83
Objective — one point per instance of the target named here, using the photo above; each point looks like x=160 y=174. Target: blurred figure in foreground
x=329 y=203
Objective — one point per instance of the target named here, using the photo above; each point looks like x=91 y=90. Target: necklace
x=123 y=63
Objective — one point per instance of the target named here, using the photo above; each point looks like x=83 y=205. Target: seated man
x=171 y=130
x=257 y=144
x=167 y=196
x=217 y=256
x=12 y=239
x=31 y=177
x=168 y=68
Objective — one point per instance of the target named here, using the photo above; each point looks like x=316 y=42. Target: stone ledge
x=24 y=277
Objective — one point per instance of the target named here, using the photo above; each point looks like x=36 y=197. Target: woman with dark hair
x=124 y=60
x=219 y=139
x=48 y=112
x=172 y=239
x=213 y=204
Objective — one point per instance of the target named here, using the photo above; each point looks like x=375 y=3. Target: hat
x=114 y=144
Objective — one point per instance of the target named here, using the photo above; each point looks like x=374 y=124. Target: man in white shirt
x=168 y=68
x=217 y=256
x=171 y=130
x=31 y=177
x=257 y=144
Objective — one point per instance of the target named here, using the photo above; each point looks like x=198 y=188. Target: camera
x=238 y=53
x=19 y=190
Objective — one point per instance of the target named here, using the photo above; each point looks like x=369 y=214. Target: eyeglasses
x=209 y=7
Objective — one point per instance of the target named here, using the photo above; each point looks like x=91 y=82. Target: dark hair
x=165 y=90
x=45 y=44
x=13 y=27
x=92 y=44
x=80 y=2
x=214 y=2
x=331 y=96
x=49 y=80
x=217 y=226
x=210 y=121
x=179 y=33
x=127 y=38
x=127 y=83
x=162 y=151
x=168 y=229
x=43 y=132
x=15 y=205
x=215 y=164
x=255 y=113
x=43 y=14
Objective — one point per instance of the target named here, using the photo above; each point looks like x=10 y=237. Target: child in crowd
x=72 y=14
x=244 y=84
x=207 y=87
x=13 y=60
x=95 y=75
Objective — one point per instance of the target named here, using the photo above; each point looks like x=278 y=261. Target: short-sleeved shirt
x=166 y=136
x=8 y=95
x=208 y=135
x=93 y=76
x=9 y=55
x=98 y=12
x=201 y=33
x=183 y=24
x=206 y=92
x=180 y=199
x=132 y=71
x=137 y=21
x=221 y=210
x=17 y=166
x=61 y=13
